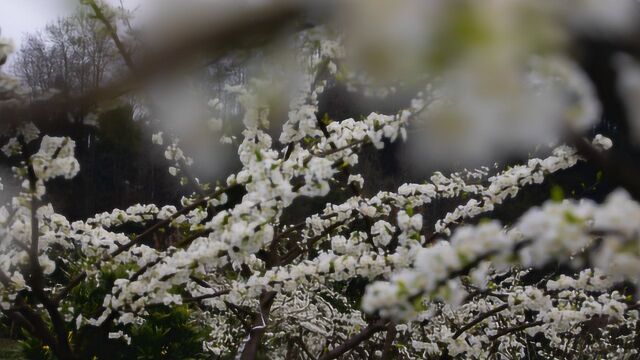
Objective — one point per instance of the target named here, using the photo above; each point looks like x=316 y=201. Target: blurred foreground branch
x=248 y=28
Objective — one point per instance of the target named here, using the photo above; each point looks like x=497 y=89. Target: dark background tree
x=72 y=55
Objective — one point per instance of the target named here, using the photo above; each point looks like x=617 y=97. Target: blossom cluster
x=563 y=232
x=453 y=285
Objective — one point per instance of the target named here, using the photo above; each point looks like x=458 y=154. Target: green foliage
x=10 y=350
x=32 y=349
x=168 y=332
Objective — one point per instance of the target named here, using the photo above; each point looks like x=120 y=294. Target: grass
x=10 y=350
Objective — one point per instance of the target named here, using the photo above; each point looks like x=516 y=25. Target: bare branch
x=388 y=341
x=250 y=347
x=515 y=329
x=70 y=286
x=355 y=340
x=479 y=319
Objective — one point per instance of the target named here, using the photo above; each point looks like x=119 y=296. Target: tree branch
x=479 y=319
x=388 y=341
x=36 y=278
x=250 y=349
x=206 y=296
x=168 y=221
x=355 y=340
x=70 y=286
x=514 y=329
x=112 y=33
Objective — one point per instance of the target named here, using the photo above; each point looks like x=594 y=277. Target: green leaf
x=557 y=194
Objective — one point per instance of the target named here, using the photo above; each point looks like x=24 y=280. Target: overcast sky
x=18 y=17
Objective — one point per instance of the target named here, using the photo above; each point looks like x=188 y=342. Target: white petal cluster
x=55 y=158
x=557 y=231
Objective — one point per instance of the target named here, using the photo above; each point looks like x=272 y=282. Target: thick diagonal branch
x=479 y=319
x=355 y=340
x=250 y=349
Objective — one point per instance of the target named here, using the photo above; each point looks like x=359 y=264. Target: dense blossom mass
x=372 y=274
